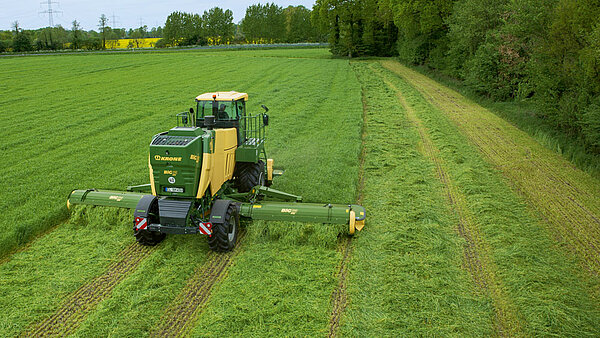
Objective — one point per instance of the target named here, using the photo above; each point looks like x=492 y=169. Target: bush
x=162 y=43
x=590 y=125
x=22 y=43
x=4 y=45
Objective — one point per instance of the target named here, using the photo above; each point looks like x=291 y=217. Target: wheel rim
x=231 y=235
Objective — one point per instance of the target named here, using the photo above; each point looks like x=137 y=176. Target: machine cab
x=228 y=108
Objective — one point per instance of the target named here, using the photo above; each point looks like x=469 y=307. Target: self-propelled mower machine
x=208 y=171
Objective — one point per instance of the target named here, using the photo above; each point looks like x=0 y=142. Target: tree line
x=545 y=51
x=268 y=23
x=261 y=24
x=55 y=38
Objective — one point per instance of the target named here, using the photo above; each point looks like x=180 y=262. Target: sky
x=127 y=13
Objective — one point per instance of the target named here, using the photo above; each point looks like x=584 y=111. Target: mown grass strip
x=562 y=194
x=73 y=311
x=339 y=295
x=181 y=314
x=476 y=250
x=35 y=282
x=405 y=276
x=550 y=293
x=282 y=281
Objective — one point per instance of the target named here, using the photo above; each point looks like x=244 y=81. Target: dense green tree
x=422 y=28
x=184 y=29
x=298 y=25
x=356 y=28
x=76 y=35
x=155 y=32
x=264 y=22
x=21 y=40
x=218 y=24
x=4 y=45
x=51 y=38
x=565 y=72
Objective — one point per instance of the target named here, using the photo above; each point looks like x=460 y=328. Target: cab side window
x=240 y=108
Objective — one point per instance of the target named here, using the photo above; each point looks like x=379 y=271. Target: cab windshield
x=223 y=110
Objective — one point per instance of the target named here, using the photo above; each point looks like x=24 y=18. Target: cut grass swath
x=564 y=195
x=180 y=316
x=75 y=308
x=476 y=260
x=35 y=282
x=405 y=276
x=339 y=296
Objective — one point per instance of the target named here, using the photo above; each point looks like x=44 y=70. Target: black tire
x=149 y=238
x=146 y=237
x=224 y=235
x=248 y=175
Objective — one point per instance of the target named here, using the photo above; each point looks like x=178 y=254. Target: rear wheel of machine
x=224 y=235
x=146 y=237
x=248 y=175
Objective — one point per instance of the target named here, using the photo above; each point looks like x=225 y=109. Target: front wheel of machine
x=149 y=238
x=224 y=235
x=148 y=208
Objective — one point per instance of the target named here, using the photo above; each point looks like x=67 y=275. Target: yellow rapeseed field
x=131 y=43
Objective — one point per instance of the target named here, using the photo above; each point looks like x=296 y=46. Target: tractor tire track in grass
x=182 y=313
x=339 y=297
x=74 y=310
x=563 y=195
x=476 y=258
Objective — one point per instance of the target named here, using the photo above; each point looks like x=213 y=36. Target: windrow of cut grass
x=476 y=258
x=547 y=292
x=307 y=120
x=562 y=194
x=405 y=275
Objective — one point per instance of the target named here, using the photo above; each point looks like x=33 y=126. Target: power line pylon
x=50 y=11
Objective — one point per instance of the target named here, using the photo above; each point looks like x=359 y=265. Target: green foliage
x=298 y=25
x=218 y=24
x=184 y=29
x=421 y=24
x=51 y=38
x=5 y=45
x=266 y=22
x=22 y=42
x=162 y=43
x=590 y=124
x=356 y=28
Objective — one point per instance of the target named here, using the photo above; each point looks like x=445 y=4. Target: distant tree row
x=53 y=38
x=273 y=23
x=262 y=23
x=215 y=24
x=547 y=51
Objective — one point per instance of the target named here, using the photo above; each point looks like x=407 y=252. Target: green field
x=473 y=228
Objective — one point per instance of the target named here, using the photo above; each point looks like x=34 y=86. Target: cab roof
x=222 y=96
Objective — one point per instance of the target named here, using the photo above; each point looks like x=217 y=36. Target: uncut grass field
x=462 y=236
